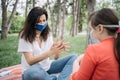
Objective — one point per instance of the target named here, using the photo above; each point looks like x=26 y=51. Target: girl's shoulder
x=94 y=46
x=93 y=49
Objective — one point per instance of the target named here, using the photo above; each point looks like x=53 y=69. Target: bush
x=17 y=24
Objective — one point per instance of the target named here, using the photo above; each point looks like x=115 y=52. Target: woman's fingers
x=61 y=45
x=57 y=39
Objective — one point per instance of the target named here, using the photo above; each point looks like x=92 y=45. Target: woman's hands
x=58 y=47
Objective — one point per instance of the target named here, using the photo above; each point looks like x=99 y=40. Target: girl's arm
x=87 y=66
x=76 y=64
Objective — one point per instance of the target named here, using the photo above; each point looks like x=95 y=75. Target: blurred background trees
x=66 y=17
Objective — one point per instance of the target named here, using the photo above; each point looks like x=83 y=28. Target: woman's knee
x=34 y=73
x=37 y=76
x=33 y=76
x=74 y=56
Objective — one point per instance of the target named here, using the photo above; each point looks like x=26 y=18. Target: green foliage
x=103 y=4
x=68 y=22
x=117 y=6
x=17 y=24
x=82 y=23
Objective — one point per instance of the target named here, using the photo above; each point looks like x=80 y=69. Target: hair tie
x=118 y=31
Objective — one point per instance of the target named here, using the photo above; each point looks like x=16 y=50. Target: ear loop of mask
x=118 y=31
x=117 y=26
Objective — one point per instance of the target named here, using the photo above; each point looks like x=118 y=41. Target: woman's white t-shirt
x=26 y=46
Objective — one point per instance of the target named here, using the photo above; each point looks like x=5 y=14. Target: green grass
x=8 y=51
x=77 y=44
x=9 y=55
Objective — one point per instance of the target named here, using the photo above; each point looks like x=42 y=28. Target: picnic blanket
x=11 y=73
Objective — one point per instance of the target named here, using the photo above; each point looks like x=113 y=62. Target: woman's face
x=42 y=19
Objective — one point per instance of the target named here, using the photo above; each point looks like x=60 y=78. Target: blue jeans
x=62 y=66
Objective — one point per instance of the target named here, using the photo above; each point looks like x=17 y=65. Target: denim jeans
x=62 y=66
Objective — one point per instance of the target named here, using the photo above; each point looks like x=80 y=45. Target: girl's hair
x=90 y=16
x=107 y=16
x=29 y=32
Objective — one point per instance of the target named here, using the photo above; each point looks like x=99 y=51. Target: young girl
x=101 y=61
x=36 y=46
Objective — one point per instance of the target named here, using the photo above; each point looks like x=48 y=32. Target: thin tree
x=91 y=7
x=58 y=18
x=51 y=13
x=75 y=22
x=12 y=15
x=34 y=3
x=4 y=20
x=26 y=8
x=63 y=19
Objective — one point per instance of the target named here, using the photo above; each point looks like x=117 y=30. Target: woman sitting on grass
x=36 y=46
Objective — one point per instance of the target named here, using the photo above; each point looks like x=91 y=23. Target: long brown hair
x=107 y=16
x=29 y=32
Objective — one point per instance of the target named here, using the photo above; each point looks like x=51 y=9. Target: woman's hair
x=107 y=16
x=29 y=32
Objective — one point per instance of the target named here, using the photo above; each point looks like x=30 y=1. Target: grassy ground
x=8 y=51
x=9 y=55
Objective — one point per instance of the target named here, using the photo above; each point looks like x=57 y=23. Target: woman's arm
x=31 y=59
x=35 y=59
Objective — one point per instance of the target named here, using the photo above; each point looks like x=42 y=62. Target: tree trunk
x=4 y=20
x=63 y=19
x=26 y=8
x=74 y=22
x=33 y=3
x=57 y=29
x=90 y=7
x=78 y=16
x=59 y=19
x=12 y=15
x=6 y=25
x=51 y=17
